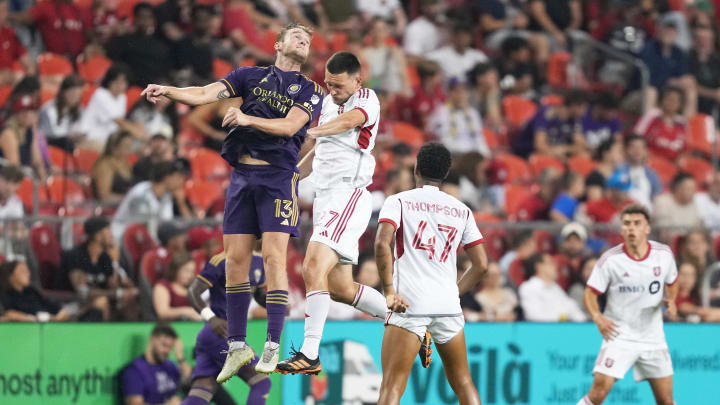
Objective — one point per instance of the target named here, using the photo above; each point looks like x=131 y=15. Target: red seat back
x=45 y=245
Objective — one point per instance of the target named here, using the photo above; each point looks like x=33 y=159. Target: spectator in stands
x=665 y=129
x=423 y=35
x=677 y=208
x=159 y=118
x=206 y=240
x=160 y=149
x=518 y=72
x=10 y=205
x=606 y=209
x=194 y=53
x=556 y=18
x=500 y=20
x=94 y=272
x=12 y=50
x=107 y=22
x=428 y=95
x=555 y=130
x=173 y=19
x=207 y=120
x=112 y=174
x=705 y=68
x=646 y=184
x=572 y=253
x=64 y=26
x=146 y=54
x=386 y=62
x=668 y=66
x=170 y=293
x=487 y=96
x=542 y=299
x=695 y=248
x=688 y=299
x=523 y=246
x=572 y=189
x=19 y=143
x=458 y=58
x=390 y=11
x=498 y=303
x=238 y=26
x=577 y=290
x=150 y=200
x=708 y=203
x=601 y=122
x=60 y=118
x=474 y=191
x=537 y=206
x=457 y=124
x=105 y=113
x=626 y=26
x=153 y=378
x=397 y=180
x=174 y=239
x=27 y=86
x=22 y=301
x=609 y=156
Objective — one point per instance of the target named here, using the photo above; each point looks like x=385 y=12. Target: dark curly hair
x=433 y=161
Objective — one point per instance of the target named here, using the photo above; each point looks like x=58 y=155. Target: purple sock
x=198 y=396
x=238 y=302
x=259 y=391
x=276 y=305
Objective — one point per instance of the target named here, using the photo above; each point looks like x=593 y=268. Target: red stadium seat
x=582 y=165
x=702 y=133
x=665 y=169
x=94 y=69
x=85 y=159
x=518 y=110
x=408 y=134
x=61 y=161
x=136 y=241
x=491 y=138
x=25 y=193
x=518 y=170
x=717 y=246
x=221 y=68
x=486 y=217
x=495 y=242
x=551 y=100
x=515 y=196
x=50 y=64
x=47 y=94
x=699 y=168
x=133 y=96
x=45 y=245
x=516 y=273
x=557 y=74
x=202 y=193
x=545 y=242
x=155 y=264
x=338 y=41
x=199 y=257
x=4 y=94
x=539 y=163
x=132 y=159
x=65 y=191
x=206 y=164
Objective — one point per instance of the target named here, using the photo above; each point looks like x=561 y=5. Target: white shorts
x=340 y=217
x=615 y=360
x=442 y=328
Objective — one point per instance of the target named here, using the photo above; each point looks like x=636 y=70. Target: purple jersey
x=597 y=132
x=269 y=92
x=156 y=383
x=213 y=274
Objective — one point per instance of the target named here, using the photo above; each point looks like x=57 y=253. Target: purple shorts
x=210 y=355
x=262 y=198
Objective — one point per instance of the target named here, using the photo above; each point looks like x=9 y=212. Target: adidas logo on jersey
x=285 y=222
x=324 y=233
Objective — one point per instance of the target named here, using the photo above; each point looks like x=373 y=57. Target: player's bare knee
x=342 y=293
x=274 y=261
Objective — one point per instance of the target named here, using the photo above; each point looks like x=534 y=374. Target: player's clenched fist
x=607 y=328
x=396 y=303
x=235 y=117
x=153 y=92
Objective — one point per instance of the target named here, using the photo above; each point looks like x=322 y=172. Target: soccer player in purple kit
x=211 y=343
x=263 y=143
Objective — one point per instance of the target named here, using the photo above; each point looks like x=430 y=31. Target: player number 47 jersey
x=344 y=160
x=430 y=226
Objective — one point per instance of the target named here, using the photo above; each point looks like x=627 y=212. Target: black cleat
x=426 y=351
x=298 y=363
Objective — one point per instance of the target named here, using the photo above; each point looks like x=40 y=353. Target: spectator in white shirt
x=708 y=204
x=60 y=118
x=458 y=58
x=457 y=124
x=678 y=208
x=423 y=33
x=10 y=205
x=387 y=10
x=541 y=298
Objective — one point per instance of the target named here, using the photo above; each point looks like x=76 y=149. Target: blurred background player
x=422 y=292
x=211 y=341
x=638 y=277
x=342 y=167
x=265 y=135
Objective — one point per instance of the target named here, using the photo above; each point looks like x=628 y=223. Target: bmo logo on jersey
x=633 y=289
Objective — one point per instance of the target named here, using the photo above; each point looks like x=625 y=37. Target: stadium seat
x=155 y=264
x=136 y=241
x=518 y=170
x=47 y=94
x=518 y=110
x=46 y=247
x=699 y=168
x=485 y=217
x=199 y=257
x=133 y=96
x=491 y=138
x=557 y=73
x=206 y=164
x=407 y=133
x=50 y=64
x=4 y=94
x=88 y=91
x=545 y=241
x=61 y=161
x=665 y=169
x=85 y=159
x=63 y=190
x=338 y=41
x=94 y=69
x=717 y=246
x=702 y=134
x=25 y=193
x=202 y=193
x=516 y=273
x=551 y=100
x=582 y=165
x=515 y=196
x=221 y=68
x=495 y=242
x=538 y=163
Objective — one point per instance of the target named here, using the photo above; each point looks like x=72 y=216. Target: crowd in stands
x=543 y=126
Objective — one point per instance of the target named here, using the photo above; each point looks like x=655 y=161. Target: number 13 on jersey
x=430 y=244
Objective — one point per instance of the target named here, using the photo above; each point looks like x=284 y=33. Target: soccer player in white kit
x=341 y=169
x=638 y=276
x=428 y=226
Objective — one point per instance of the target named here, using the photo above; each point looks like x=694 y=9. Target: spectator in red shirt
x=12 y=50
x=537 y=207
x=64 y=26
x=428 y=95
x=606 y=209
x=572 y=254
x=665 y=129
x=688 y=300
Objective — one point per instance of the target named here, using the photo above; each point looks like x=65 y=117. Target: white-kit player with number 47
x=342 y=167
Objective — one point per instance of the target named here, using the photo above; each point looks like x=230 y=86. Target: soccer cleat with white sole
x=269 y=359
x=236 y=358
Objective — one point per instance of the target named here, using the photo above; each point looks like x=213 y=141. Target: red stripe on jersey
x=362 y=110
x=474 y=243
x=364 y=138
x=389 y=221
x=595 y=290
x=674 y=281
x=347 y=219
x=399 y=237
x=347 y=212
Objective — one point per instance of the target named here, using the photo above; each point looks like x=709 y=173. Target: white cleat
x=236 y=358
x=269 y=359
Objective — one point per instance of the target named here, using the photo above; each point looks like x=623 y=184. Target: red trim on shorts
x=388 y=221
x=475 y=243
x=358 y=294
x=344 y=214
x=317 y=292
x=595 y=290
x=387 y=318
x=347 y=218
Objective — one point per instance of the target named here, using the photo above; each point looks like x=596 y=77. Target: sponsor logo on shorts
x=609 y=362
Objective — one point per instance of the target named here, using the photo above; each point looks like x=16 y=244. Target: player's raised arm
x=187 y=95
x=344 y=122
x=472 y=276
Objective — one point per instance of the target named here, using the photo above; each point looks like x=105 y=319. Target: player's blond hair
x=291 y=26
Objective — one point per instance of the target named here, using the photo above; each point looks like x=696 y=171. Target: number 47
x=430 y=244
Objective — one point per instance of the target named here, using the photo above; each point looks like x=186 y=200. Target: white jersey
x=344 y=160
x=635 y=290
x=430 y=226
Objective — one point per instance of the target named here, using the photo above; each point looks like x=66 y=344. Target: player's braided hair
x=434 y=161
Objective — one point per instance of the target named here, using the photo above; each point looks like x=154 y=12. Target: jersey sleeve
x=368 y=103
x=132 y=382
x=391 y=212
x=672 y=274
x=599 y=278
x=309 y=99
x=235 y=81
x=211 y=274
x=471 y=234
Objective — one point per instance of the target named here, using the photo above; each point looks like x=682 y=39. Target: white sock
x=317 y=305
x=585 y=401
x=370 y=301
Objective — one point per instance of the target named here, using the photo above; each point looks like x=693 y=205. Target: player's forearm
x=194 y=295
x=590 y=300
x=305 y=165
x=383 y=257
x=671 y=291
x=469 y=279
x=274 y=126
x=474 y=274
x=191 y=95
x=344 y=122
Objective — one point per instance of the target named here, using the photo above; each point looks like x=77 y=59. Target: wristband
x=207 y=314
